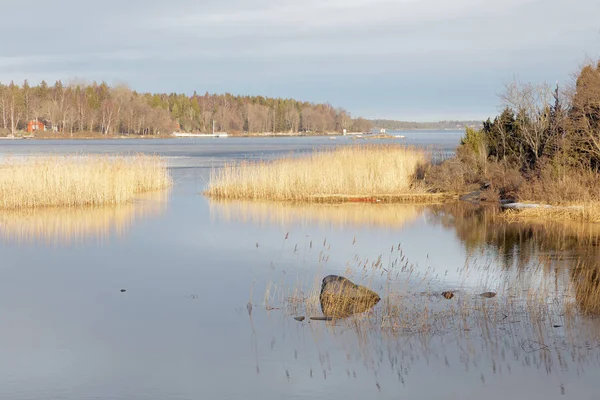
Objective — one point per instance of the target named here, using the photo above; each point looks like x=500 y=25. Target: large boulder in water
x=341 y=298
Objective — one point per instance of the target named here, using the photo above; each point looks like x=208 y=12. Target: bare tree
x=532 y=105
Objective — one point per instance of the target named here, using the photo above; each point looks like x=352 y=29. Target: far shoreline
x=99 y=136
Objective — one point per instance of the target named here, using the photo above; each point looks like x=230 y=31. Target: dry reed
x=78 y=180
x=366 y=173
x=590 y=212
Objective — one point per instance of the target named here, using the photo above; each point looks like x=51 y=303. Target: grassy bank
x=369 y=173
x=589 y=212
x=82 y=180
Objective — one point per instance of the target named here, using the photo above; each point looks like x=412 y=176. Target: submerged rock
x=299 y=318
x=488 y=295
x=472 y=197
x=448 y=295
x=341 y=298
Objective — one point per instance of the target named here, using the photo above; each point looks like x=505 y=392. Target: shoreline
x=407 y=198
x=98 y=136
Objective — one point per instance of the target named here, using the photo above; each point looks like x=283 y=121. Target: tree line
x=410 y=125
x=119 y=110
x=541 y=124
x=544 y=146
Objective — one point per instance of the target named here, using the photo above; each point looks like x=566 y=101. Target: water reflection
x=341 y=215
x=545 y=245
x=519 y=244
x=535 y=335
x=531 y=329
x=64 y=226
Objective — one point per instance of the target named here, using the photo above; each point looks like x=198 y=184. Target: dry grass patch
x=340 y=174
x=78 y=180
x=581 y=213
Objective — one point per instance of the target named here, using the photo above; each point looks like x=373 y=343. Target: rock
x=299 y=318
x=473 y=197
x=522 y=206
x=341 y=298
x=448 y=295
x=488 y=295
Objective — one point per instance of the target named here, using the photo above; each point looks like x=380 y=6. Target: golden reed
x=360 y=172
x=78 y=180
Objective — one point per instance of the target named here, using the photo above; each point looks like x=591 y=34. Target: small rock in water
x=299 y=318
x=448 y=295
x=488 y=295
x=123 y=290
x=321 y=318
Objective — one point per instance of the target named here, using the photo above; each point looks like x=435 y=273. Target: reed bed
x=78 y=180
x=589 y=212
x=369 y=173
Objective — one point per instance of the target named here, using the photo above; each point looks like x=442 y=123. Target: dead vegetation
x=369 y=173
x=78 y=180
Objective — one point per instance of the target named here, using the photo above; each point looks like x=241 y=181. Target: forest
x=411 y=125
x=118 y=110
x=543 y=147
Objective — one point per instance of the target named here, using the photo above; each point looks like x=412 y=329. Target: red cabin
x=33 y=126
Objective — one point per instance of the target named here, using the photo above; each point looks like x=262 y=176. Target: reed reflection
x=66 y=226
x=347 y=215
x=521 y=243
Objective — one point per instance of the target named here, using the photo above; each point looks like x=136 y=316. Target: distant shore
x=186 y=135
x=99 y=136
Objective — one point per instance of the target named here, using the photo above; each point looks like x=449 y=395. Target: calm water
x=190 y=267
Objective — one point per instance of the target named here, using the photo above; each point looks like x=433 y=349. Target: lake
x=211 y=289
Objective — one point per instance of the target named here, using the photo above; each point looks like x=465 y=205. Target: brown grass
x=78 y=180
x=572 y=192
x=560 y=185
x=366 y=173
x=583 y=213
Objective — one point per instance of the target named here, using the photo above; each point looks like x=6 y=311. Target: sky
x=419 y=60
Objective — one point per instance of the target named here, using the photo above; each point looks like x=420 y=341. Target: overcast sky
x=401 y=59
